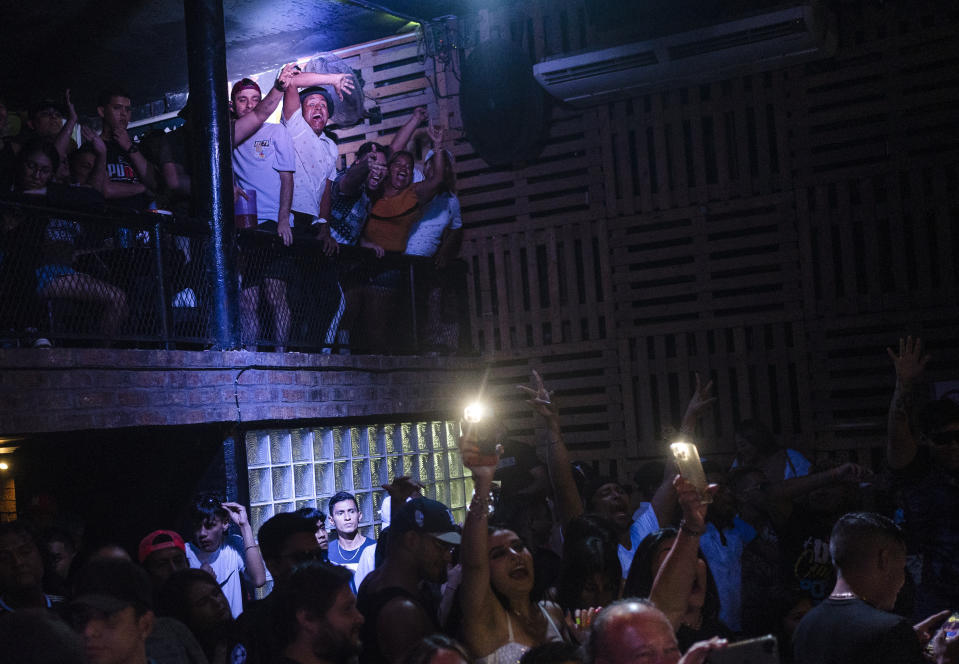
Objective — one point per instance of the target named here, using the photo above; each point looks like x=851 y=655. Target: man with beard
x=286 y=540
x=394 y=598
x=317 y=617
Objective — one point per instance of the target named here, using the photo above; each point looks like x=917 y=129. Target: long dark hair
x=590 y=547
x=639 y=582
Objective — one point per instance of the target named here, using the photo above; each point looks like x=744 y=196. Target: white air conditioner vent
x=756 y=43
x=746 y=37
x=612 y=65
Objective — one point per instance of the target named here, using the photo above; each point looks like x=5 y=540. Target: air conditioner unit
x=756 y=43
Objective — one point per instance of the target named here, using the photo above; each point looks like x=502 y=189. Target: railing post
x=413 y=322
x=163 y=302
x=212 y=175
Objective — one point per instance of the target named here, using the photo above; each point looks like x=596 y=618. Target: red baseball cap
x=159 y=540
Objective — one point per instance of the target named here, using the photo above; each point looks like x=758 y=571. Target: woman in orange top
x=387 y=229
x=393 y=214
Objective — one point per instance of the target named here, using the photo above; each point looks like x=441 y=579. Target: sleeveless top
x=511 y=652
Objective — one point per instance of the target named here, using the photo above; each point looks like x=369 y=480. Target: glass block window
x=293 y=468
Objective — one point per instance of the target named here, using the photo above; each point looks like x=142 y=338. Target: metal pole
x=212 y=177
x=163 y=304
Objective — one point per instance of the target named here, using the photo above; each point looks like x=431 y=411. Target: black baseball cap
x=426 y=516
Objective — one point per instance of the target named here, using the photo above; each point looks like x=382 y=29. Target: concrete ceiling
x=86 y=45
x=49 y=45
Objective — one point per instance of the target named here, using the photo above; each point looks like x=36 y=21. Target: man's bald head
x=631 y=631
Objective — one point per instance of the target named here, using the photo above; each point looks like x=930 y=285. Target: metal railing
x=140 y=279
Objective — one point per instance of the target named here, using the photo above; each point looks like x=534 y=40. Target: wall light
x=4 y=465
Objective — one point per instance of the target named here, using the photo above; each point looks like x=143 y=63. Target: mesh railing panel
x=141 y=280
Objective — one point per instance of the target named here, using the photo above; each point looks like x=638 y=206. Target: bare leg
x=85 y=288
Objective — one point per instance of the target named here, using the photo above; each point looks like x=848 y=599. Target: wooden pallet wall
x=774 y=230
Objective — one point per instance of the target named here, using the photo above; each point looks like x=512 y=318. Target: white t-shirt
x=644 y=523
x=257 y=163
x=441 y=213
x=228 y=563
x=315 y=164
x=366 y=565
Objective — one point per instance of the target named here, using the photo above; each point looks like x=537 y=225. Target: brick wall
x=77 y=389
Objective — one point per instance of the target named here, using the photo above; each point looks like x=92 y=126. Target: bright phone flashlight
x=475 y=412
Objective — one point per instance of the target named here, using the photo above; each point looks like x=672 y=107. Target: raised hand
x=343 y=85
x=93 y=138
x=578 y=622
x=420 y=114
x=436 y=135
x=540 y=399
x=702 y=399
x=122 y=138
x=402 y=488
x=287 y=74
x=480 y=462
x=71 y=111
x=237 y=513
x=691 y=502
x=910 y=362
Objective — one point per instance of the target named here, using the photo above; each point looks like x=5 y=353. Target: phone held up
x=690 y=467
x=477 y=426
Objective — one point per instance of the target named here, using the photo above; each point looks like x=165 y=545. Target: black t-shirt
x=120 y=169
x=371 y=603
x=850 y=631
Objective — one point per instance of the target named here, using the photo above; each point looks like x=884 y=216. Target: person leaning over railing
x=391 y=218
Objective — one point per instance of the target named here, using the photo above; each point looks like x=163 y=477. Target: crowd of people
x=286 y=187
x=553 y=564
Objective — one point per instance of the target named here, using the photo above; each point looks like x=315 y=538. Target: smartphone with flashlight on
x=477 y=426
x=690 y=467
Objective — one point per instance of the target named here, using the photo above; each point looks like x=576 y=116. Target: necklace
x=355 y=551
x=844 y=596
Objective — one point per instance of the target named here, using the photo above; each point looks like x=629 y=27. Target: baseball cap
x=317 y=90
x=430 y=517
x=110 y=585
x=244 y=84
x=159 y=540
